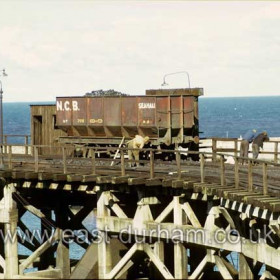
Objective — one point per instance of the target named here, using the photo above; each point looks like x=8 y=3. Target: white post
x=11 y=244
x=180 y=252
x=104 y=252
x=62 y=257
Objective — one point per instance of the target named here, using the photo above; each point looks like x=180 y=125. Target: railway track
x=162 y=170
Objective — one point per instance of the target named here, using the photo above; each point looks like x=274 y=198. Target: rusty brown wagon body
x=166 y=116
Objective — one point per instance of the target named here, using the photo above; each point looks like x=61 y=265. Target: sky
x=68 y=48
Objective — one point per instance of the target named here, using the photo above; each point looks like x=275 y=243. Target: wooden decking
x=203 y=196
x=256 y=183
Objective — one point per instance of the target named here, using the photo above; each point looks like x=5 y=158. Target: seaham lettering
x=147 y=105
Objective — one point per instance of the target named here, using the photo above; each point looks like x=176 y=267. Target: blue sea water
x=16 y=119
x=218 y=117
x=232 y=117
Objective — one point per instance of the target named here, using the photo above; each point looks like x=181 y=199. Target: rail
x=234 y=149
x=66 y=163
x=24 y=139
x=214 y=147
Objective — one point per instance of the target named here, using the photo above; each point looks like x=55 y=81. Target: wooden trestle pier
x=180 y=219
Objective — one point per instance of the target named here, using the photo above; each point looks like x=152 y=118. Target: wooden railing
x=65 y=162
x=234 y=149
x=251 y=163
x=24 y=137
x=214 y=147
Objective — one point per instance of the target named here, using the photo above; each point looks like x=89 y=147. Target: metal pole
x=1 y=121
x=1 y=127
x=164 y=83
x=1 y=115
x=202 y=167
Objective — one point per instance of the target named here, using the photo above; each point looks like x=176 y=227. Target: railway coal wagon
x=168 y=117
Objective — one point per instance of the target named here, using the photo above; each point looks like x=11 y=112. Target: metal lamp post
x=180 y=72
x=1 y=120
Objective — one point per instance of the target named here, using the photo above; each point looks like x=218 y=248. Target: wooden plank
x=54 y=186
x=243 y=198
x=191 y=215
x=136 y=181
x=31 y=258
x=202 y=168
x=210 y=190
x=236 y=172
x=64 y=162
x=251 y=198
x=124 y=260
x=188 y=185
x=265 y=185
x=261 y=202
x=39 y=185
x=233 y=271
x=120 y=180
x=165 y=212
x=74 y=178
x=225 y=193
x=238 y=195
x=245 y=271
x=153 y=182
x=85 y=266
x=221 y=192
x=2 y=263
x=199 y=268
x=177 y=184
x=202 y=184
x=36 y=159
x=213 y=190
x=222 y=171
x=157 y=262
x=49 y=273
x=225 y=150
x=167 y=182
x=45 y=176
x=18 y=174
x=31 y=176
x=8 y=216
x=82 y=188
x=250 y=176
x=273 y=206
x=67 y=187
x=89 y=178
x=117 y=151
x=222 y=268
x=265 y=198
x=121 y=274
x=204 y=187
x=59 y=177
x=276 y=152
x=152 y=165
x=104 y=179
x=245 y=195
x=6 y=174
x=198 y=187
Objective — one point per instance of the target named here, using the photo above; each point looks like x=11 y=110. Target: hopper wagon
x=168 y=116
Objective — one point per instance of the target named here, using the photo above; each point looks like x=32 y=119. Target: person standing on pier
x=258 y=143
x=136 y=143
x=246 y=140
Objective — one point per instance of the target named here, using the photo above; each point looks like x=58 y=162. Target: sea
x=233 y=116
x=218 y=117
